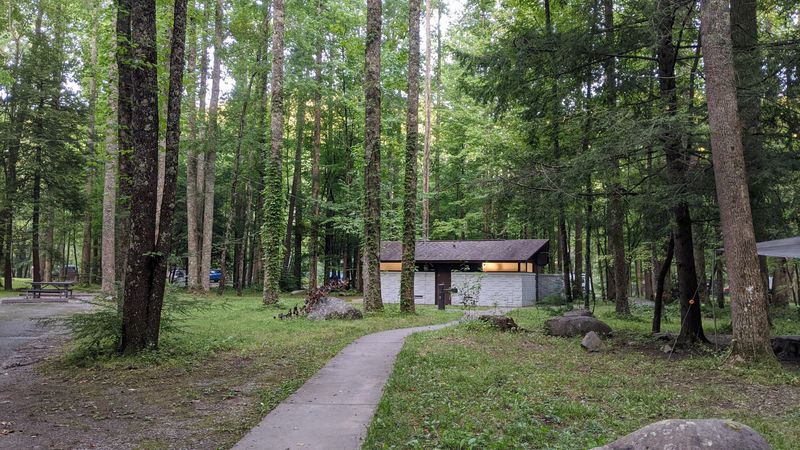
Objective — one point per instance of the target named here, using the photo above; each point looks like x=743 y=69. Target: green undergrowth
x=471 y=387
x=200 y=326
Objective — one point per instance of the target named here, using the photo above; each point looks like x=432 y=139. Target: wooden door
x=443 y=278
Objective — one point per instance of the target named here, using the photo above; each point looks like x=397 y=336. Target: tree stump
x=502 y=323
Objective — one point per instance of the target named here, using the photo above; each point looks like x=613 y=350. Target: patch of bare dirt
x=206 y=405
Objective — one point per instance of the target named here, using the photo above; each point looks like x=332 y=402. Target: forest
x=280 y=141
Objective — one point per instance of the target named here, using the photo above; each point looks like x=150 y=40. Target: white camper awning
x=784 y=248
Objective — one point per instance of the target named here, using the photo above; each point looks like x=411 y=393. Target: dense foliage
x=583 y=122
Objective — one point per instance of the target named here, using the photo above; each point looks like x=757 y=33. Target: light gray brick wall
x=390 y=287
x=424 y=287
x=495 y=288
x=528 y=289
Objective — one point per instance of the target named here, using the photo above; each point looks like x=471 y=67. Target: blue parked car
x=215 y=275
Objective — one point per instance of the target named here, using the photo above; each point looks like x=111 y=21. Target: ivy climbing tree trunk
x=748 y=302
x=273 y=192
x=372 y=158
x=412 y=143
x=426 y=156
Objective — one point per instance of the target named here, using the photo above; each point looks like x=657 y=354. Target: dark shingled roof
x=467 y=251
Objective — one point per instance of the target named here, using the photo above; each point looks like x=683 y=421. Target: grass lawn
x=19 y=283
x=206 y=386
x=469 y=387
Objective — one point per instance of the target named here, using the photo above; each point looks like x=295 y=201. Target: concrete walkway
x=334 y=408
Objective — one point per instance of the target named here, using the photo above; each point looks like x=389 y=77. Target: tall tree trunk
x=18 y=113
x=747 y=63
x=372 y=158
x=616 y=203
x=313 y=253
x=149 y=252
x=602 y=267
x=258 y=163
x=300 y=122
x=86 y=255
x=748 y=305
x=435 y=165
x=662 y=275
x=577 y=282
x=47 y=264
x=273 y=193
x=564 y=264
x=587 y=129
x=108 y=270
x=648 y=283
x=143 y=176
x=699 y=234
x=37 y=201
x=192 y=207
x=233 y=226
x=588 y=285
x=171 y=152
x=297 y=271
x=211 y=153
x=124 y=138
x=426 y=157
x=781 y=285
x=162 y=146
x=412 y=143
x=677 y=167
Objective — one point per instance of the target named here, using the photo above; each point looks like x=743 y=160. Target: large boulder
x=691 y=434
x=568 y=326
x=330 y=308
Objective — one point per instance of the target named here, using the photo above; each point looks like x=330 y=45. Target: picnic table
x=50 y=287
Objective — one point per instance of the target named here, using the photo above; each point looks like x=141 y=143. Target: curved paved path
x=334 y=408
